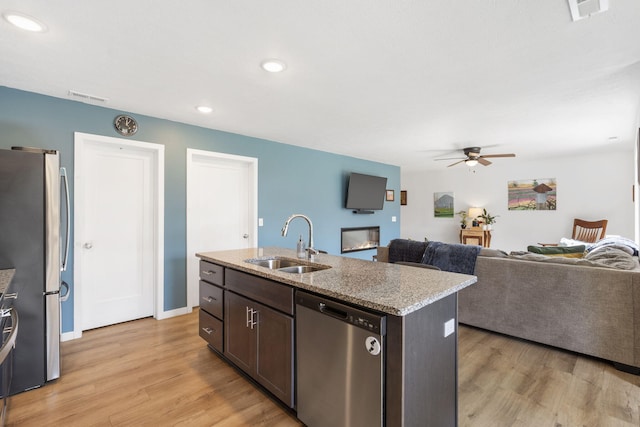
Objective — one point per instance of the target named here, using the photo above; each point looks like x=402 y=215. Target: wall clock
x=125 y=125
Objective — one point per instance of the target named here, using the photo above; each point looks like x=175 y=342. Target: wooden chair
x=589 y=231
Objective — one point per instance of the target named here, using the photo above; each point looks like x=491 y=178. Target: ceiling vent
x=85 y=97
x=581 y=9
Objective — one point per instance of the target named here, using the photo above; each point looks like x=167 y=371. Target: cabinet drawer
x=211 y=299
x=262 y=290
x=212 y=273
x=211 y=330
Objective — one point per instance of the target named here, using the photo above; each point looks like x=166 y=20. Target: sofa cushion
x=564 y=251
x=494 y=253
x=406 y=250
x=452 y=257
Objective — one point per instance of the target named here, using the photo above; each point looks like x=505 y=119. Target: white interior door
x=221 y=207
x=117 y=233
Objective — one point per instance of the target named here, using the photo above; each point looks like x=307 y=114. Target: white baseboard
x=68 y=336
x=173 y=313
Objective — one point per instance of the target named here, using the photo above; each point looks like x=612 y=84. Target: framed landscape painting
x=532 y=195
x=443 y=205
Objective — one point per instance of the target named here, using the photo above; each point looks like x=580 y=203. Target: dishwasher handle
x=331 y=311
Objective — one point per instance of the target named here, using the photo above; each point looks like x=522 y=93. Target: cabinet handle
x=254 y=322
x=251 y=322
x=208 y=272
x=209 y=299
x=208 y=330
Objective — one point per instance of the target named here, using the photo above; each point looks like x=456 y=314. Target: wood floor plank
x=505 y=381
x=145 y=372
x=161 y=373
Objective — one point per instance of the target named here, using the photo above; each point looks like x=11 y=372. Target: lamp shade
x=475 y=213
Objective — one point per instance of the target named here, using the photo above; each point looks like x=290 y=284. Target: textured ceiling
x=394 y=81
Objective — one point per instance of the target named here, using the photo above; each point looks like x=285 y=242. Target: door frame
x=252 y=163
x=81 y=140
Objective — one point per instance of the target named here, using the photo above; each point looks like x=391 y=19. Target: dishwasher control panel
x=365 y=323
x=374 y=323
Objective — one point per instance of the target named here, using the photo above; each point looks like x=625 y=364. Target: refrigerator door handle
x=63 y=175
x=65 y=296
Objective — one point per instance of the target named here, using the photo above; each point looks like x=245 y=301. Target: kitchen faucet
x=310 y=250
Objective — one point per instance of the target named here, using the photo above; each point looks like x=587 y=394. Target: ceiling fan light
x=471 y=162
x=24 y=22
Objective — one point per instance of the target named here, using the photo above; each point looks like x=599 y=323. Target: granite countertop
x=5 y=279
x=389 y=288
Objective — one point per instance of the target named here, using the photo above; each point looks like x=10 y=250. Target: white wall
x=591 y=186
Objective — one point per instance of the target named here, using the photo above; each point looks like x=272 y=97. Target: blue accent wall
x=290 y=179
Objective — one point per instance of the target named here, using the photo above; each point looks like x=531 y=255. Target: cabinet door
x=274 y=367
x=239 y=337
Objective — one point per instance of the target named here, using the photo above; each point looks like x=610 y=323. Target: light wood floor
x=161 y=373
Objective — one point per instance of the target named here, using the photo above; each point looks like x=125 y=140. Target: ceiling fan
x=473 y=157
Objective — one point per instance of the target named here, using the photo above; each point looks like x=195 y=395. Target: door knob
x=245 y=236
x=87 y=245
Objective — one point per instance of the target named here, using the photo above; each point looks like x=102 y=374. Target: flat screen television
x=365 y=193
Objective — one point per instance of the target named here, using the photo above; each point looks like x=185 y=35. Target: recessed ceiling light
x=24 y=22
x=204 y=109
x=273 y=65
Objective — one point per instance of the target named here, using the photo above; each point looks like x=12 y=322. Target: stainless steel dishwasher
x=340 y=363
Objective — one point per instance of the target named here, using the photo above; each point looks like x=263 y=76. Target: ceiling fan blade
x=499 y=155
x=451 y=158
x=483 y=162
x=453 y=164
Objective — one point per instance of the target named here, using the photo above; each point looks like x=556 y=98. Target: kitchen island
x=420 y=305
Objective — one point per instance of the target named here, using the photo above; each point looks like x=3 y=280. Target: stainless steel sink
x=287 y=265
x=301 y=269
x=274 y=263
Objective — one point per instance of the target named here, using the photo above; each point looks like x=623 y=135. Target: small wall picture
x=532 y=194
x=403 y=197
x=443 y=205
x=390 y=196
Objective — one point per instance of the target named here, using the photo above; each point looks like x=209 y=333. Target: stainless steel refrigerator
x=34 y=241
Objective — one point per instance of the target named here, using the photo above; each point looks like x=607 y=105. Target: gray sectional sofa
x=570 y=304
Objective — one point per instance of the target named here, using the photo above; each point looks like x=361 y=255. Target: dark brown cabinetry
x=249 y=320
x=211 y=305
x=259 y=338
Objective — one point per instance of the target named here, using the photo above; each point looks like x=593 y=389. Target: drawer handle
x=208 y=272
x=209 y=299
x=209 y=331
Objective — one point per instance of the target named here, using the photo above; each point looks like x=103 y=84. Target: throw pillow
x=563 y=251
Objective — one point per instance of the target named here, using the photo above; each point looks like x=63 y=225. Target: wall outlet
x=449 y=327
x=393 y=219
x=260 y=222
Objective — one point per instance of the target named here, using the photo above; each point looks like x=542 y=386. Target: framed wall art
x=532 y=194
x=443 y=205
